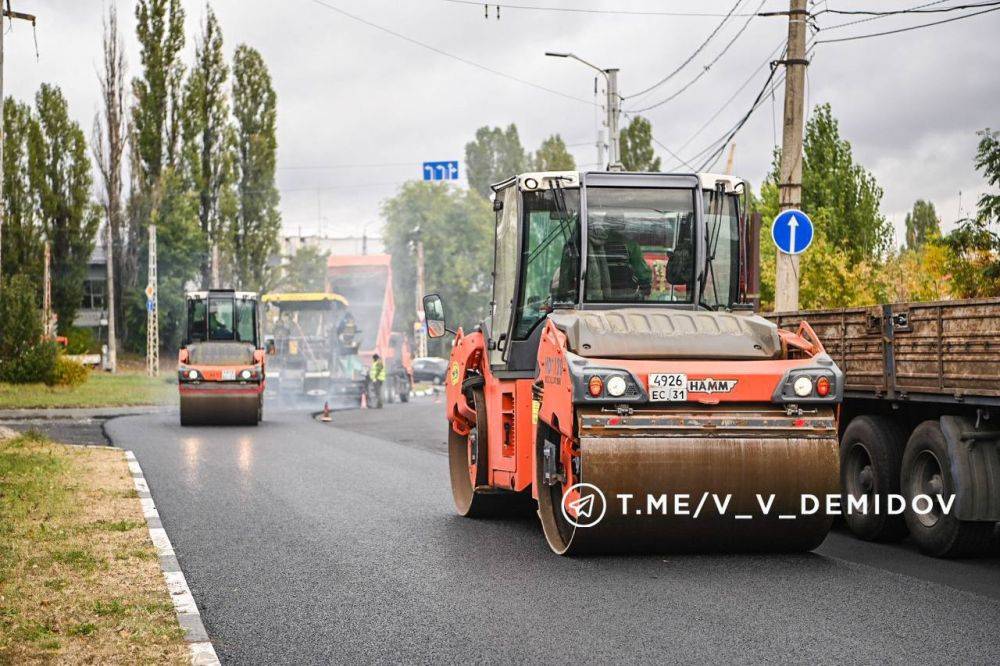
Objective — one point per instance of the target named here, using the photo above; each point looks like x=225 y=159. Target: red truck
x=366 y=282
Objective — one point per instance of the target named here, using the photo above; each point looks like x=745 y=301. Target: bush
x=68 y=372
x=34 y=364
x=81 y=341
x=21 y=327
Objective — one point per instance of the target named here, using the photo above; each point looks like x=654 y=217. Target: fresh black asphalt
x=337 y=543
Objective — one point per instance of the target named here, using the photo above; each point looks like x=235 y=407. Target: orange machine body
x=522 y=403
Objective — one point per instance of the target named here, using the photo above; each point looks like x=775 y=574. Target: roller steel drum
x=218 y=408
x=739 y=454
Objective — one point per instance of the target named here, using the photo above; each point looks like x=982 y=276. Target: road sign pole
x=786 y=288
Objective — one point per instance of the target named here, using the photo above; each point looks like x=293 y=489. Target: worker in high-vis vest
x=376 y=376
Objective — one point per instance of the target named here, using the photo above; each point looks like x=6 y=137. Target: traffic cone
x=326 y=412
x=364 y=400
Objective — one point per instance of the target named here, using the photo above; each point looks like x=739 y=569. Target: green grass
x=100 y=390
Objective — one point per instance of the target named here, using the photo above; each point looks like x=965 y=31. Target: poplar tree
x=553 y=156
x=208 y=145
x=59 y=173
x=637 y=146
x=22 y=235
x=257 y=225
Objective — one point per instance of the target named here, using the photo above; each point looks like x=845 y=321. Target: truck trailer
x=921 y=416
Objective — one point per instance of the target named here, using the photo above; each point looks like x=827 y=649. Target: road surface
x=306 y=542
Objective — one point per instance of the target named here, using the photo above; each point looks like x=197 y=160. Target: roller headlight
x=246 y=374
x=616 y=386
x=193 y=374
x=803 y=387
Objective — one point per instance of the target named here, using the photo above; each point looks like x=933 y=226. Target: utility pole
x=729 y=160
x=786 y=291
x=152 y=312
x=613 y=108
x=47 y=293
x=109 y=267
x=24 y=17
x=600 y=126
x=422 y=335
x=614 y=113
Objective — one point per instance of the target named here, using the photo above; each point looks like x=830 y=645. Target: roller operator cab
x=621 y=352
x=220 y=367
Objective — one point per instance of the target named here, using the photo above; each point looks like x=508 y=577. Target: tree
x=59 y=172
x=975 y=244
x=493 y=156
x=157 y=192
x=456 y=228
x=831 y=181
x=155 y=115
x=637 y=146
x=922 y=224
x=22 y=234
x=208 y=145
x=553 y=156
x=305 y=270
x=258 y=222
x=108 y=145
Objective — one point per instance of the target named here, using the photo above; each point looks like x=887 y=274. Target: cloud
x=348 y=94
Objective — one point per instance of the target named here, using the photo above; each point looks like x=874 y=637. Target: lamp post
x=613 y=106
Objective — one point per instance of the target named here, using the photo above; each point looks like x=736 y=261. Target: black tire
x=871 y=453
x=404 y=393
x=927 y=470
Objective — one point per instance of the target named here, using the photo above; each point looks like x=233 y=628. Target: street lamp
x=613 y=105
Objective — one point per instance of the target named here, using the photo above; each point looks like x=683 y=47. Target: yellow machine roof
x=309 y=297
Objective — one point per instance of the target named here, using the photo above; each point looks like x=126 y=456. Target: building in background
x=334 y=245
x=92 y=313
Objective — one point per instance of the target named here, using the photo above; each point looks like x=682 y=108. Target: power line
x=434 y=49
x=692 y=56
x=876 y=18
x=908 y=29
x=323 y=167
x=704 y=69
x=911 y=10
x=587 y=10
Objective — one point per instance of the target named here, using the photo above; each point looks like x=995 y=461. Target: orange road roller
x=220 y=367
x=623 y=382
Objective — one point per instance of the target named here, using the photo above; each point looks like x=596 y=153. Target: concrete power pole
x=24 y=17
x=47 y=293
x=614 y=113
x=601 y=144
x=422 y=335
x=109 y=266
x=152 y=311
x=786 y=289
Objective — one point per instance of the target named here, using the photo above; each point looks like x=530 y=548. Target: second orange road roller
x=623 y=383
x=220 y=367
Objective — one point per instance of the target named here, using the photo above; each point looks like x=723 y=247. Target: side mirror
x=434 y=315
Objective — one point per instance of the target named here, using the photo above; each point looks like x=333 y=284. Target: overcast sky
x=349 y=94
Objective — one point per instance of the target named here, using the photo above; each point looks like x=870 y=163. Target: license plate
x=228 y=375
x=668 y=387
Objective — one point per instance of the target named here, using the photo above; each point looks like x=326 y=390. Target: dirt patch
x=79 y=577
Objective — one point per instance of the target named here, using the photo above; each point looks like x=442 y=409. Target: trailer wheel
x=404 y=393
x=870 y=459
x=927 y=471
x=467 y=460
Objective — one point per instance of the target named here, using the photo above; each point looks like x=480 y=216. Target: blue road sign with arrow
x=792 y=232
x=441 y=170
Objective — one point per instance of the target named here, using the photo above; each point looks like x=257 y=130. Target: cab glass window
x=197 y=325
x=722 y=242
x=640 y=245
x=246 y=321
x=551 y=255
x=221 y=319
